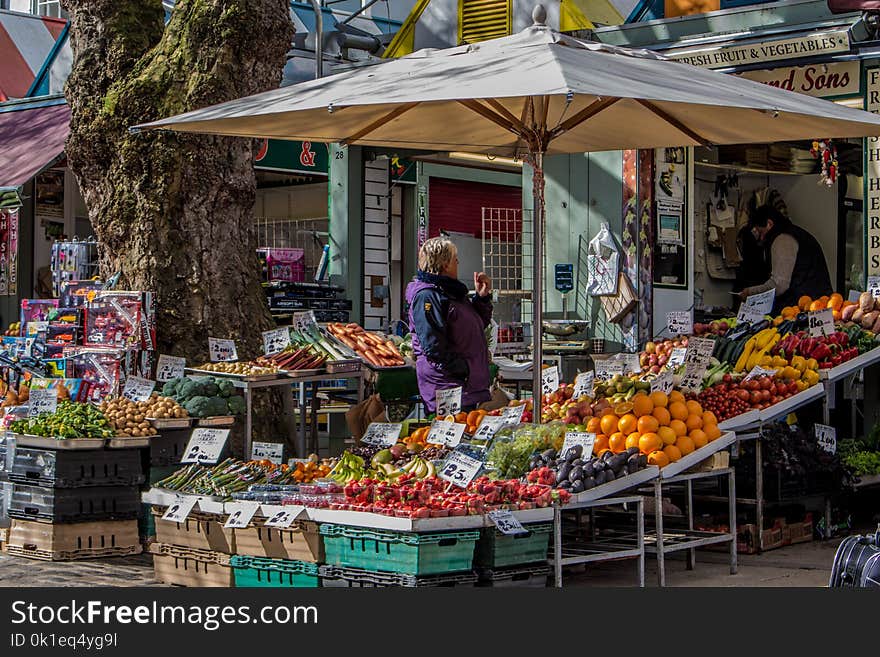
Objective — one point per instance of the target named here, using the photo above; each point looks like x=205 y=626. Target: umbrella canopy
x=529 y=94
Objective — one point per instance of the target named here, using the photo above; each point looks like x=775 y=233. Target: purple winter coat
x=449 y=339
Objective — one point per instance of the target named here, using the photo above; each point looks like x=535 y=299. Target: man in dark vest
x=797 y=263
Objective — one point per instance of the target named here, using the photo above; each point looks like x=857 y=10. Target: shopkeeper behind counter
x=448 y=328
x=797 y=263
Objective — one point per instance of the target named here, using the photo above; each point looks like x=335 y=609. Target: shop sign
x=423 y=215
x=721 y=56
x=872 y=177
x=819 y=80
x=293 y=156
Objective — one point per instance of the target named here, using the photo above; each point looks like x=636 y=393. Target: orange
x=694 y=407
x=608 y=424
x=694 y=422
x=659 y=398
x=627 y=424
x=642 y=405
x=632 y=440
x=709 y=418
x=662 y=415
x=685 y=445
x=676 y=396
x=600 y=444
x=607 y=411
x=678 y=411
x=623 y=408
x=712 y=432
x=679 y=427
x=648 y=424
x=672 y=453
x=818 y=304
x=699 y=437
x=658 y=458
x=804 y=302
x=649 y=442
x=594 y=425
x=835 y=302
x=617 y=442
x=667 y=435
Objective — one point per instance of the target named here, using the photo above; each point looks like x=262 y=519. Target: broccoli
x=217 y=406
x=187 y=390
x=225 y=388
x=209 y=386
x=236 y=405
x=170 y=387
x=198 y=406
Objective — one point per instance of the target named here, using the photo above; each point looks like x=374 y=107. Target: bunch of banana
x=349 y=467
x=387 y=471
x=421 y=468
x=756 y=348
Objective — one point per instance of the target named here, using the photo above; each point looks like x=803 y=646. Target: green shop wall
x=346 y=212
x=581 y=192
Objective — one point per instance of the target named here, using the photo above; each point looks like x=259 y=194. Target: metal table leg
x=302 y=418
x=640 y=531
x=689 y=492
x=290 y=419
x=313 y=417
x=557 y=545
x=658 y=521
x=248 y=421
x=731 y=509
x=759 y=492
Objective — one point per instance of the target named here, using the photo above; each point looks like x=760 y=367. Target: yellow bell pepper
x=812 y=364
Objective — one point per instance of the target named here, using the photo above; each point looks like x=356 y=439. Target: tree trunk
x=174 y=213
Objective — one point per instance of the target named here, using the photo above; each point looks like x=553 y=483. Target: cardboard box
x=186 y=567
x=200 y=531
x=301 y=542
x=718 y=461
x=747 y=541
x=81 y=540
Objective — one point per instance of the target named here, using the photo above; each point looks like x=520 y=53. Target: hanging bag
x=620 y=298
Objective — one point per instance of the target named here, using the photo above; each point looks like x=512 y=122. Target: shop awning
x=31 y=138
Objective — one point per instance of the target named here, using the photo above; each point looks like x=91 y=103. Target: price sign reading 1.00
x=489 y=426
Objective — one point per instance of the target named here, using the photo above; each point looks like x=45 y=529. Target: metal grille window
x=48 y=8
x=480 y=20
x=310 y=235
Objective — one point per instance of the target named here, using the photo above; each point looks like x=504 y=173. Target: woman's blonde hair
x=435 y=254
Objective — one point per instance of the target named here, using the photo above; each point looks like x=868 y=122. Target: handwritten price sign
x=170 y=367
x=205 y=446
x=222 y=350
x=383 y=434
x=448 y=401
x=680 y=322
x=506 y=522
x=276 y=341
x=444 y=432
x=550 y=379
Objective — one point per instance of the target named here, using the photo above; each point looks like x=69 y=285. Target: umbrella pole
x=537 y=279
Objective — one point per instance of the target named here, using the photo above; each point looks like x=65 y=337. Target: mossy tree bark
x=174 y=213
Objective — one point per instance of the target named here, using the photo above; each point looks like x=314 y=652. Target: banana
x=432 y=470
x=421 y=470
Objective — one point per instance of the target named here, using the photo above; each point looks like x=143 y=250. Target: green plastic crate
x=259 y=572
x=146 y=522
x=399 y=552
x=496 y=550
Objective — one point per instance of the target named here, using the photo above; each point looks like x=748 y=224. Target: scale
x=567 y=337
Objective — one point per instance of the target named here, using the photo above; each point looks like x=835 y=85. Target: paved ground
x=807 y=564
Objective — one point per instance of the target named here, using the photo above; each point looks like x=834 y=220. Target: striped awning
x=25 y=43
x=32 y=134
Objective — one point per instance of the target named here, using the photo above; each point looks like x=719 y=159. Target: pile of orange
x=663 y=427
x=835 y=302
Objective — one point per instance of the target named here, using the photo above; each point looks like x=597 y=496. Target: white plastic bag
x=602 y=263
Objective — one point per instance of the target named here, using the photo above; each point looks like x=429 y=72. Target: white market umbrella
x=530 y=94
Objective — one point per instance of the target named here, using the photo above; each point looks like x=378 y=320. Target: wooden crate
x=190 y=567
x=200 y=531
x=301 y=542
x=718 y=461
x=81 y=540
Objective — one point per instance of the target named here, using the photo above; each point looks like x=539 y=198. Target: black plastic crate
x=77 y=469
x=167 y=448
x=58 y=505
x=528 y=577
x=339 y=577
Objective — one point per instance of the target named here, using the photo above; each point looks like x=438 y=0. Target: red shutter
x=457 y=205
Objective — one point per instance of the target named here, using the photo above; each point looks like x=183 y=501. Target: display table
x=609 y=546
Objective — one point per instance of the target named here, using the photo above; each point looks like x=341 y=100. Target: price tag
x=383 y=434
x=302 y=322
x=664 y=383
x=268 y=451
x=460 y=469
x=584 y=439
x=222 y=350
x=276 y=341
x=444 y=432
x=180 y=509
x=42 y=400
x=680 y=322
x=240 y=514
x=873 y=286
x=676 y=358
x=583 y=385
x=630 y=363
x=513 y=415
x=756 y=306
x=826 y=437
x=205 y=446
x=506 y=523
x=280 y=517
x=699 y=351
x=607 y=368
x=489 y=427
x=757 y=371
x=170 y=367
x=448 y=401
x=821 y=323
x=137 y=389
x=550 y=379
x=692 y=381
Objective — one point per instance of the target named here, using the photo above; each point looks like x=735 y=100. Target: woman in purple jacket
x=448 y=327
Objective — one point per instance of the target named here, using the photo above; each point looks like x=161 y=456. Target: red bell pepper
x=820 y=351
